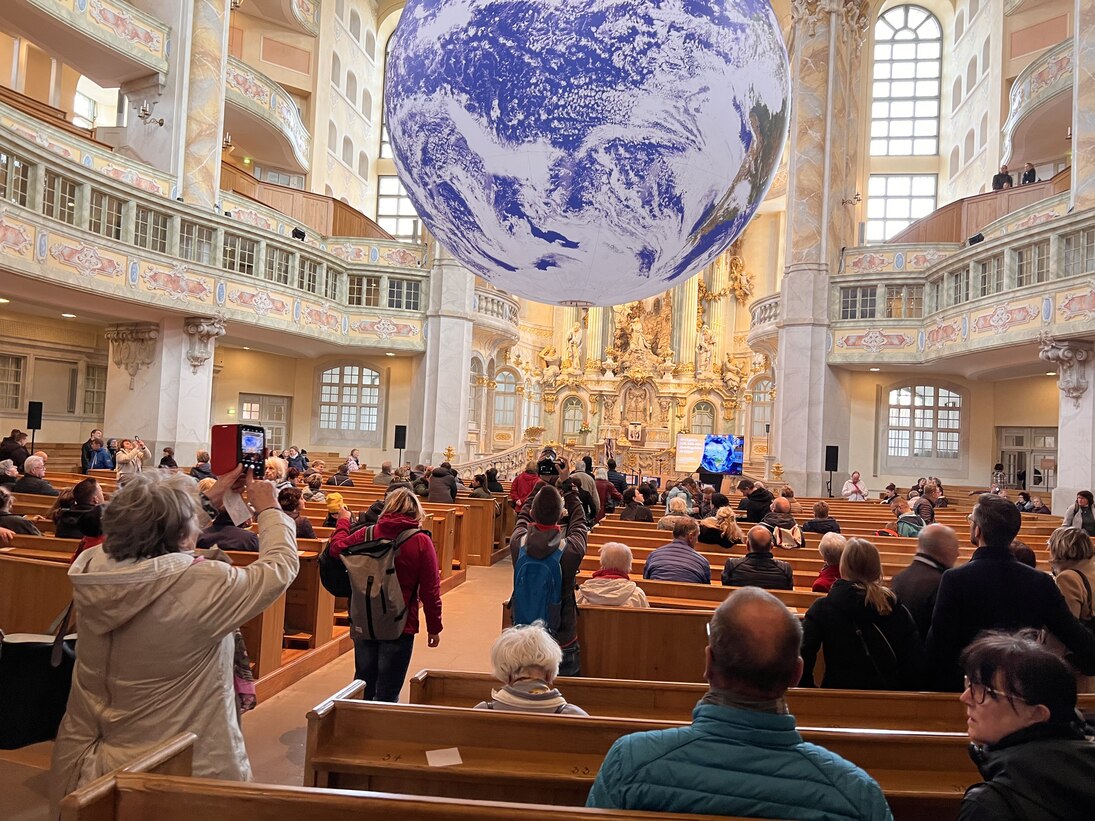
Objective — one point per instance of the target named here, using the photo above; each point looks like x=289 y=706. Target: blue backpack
x=537 y=588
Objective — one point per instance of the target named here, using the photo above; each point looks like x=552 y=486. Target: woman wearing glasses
x=1026 y=736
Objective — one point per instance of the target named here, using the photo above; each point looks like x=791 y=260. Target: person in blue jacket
x=741 y=755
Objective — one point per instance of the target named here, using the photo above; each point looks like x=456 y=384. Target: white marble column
x=160 y=383
x=440 y=392
x=1076 y=417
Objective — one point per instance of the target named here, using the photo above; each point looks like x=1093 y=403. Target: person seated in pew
x=758 y=568
x=313 y=489
x=1023 y=553
x=493 y=485
x=222 y=532
x=756 y=500
x=202 y=468
x=676 y=510
x=869 y=639
x=1072 y=560
x=156 y=629
x=371 y=515
x=297 y=459
x=382 y=663
x=611 y=586
x=479 y=491
x=788 y=493
x=634 y=510
x=992 y=591
x=32 y=481
x=1023 y=504
x=1035 y=756
x=889 y=494
x=335 y=507
x=9 y=474
x=785 y=530
x=906 y=522
x=385 y=476
x=525 y=658
x=14 y=447
x=619 y=481
x=831 y=549
x=721 y=529
x=277 y=471
x=342 y=477
x=10 y=521
x=290 y=500
x=1038 y=506
x=711 y=502
x=822 y=521
x=917 y=585
x=87 y=495
x=168 y=459
x=741 y=755
x=315 y=468
x=206 y=483
x=649 y=494
x=678 y=561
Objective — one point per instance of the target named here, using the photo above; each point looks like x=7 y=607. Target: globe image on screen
x=586 y=151
x=722 y=454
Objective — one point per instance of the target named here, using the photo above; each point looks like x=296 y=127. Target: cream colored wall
x=1032 y=402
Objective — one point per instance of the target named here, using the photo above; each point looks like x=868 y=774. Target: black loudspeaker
x=976 y=238
x=832 y=456
x=34 y=416
x=400 y=442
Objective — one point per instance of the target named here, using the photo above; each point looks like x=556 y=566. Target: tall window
x=196 y=242
x=239 y=254
x=106 y=215
x=11 y=382
x=1032 y=263
x=95 y=390
x=924 y=422
x=475 y=393
x=349 y=398
x=904 y=301
x=574 y=413
x=59 y=201
x=364 y=291
x=14 y=178
x=307 y=274
x=1078 y=251
x=385 y=143
x=762 y=408
x=278 y=263
x=895 y=200
x=150 y=229
x=394 y=211
x=908 y=61
x=990 y=276
x=703 y=418
x=505 y=400
x=533 y=397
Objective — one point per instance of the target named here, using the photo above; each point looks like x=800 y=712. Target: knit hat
x=334 y=502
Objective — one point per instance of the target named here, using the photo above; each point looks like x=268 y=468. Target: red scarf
x=608 y=573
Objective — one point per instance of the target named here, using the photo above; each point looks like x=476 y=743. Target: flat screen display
x=713 y=453
x=252 y=443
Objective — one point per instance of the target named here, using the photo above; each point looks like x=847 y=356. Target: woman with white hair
x=831 y=549
x=277 y=471
x=611 y=585
x=156 y=627
x=526 y=660
x=606 y=493
x=676 y=509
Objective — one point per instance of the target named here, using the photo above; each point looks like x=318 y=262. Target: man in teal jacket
x=741 y=755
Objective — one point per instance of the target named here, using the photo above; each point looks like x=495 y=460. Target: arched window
x=533 y=399
x=761 y=408
x=956 y=93
x=340 y=9
x=351 y=85
x=475 y=393
x=956 y=161
x=975 y=6
x=968 y=147
x=362 y=165
x=355 y=25
x=367 y=104
x=370 y=45
x=923 y=422
x=336 y=70
x=959 y=25
x=971 y=73
x=703 y=418
x=505 y=400
x=348 y=151
x=986 y=52
x=332 y=136
x=385 y=143
x=349 y=399
x=908 y=61
x=983 y=131
x=574 y=413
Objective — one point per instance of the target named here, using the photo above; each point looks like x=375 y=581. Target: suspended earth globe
x=587 y=152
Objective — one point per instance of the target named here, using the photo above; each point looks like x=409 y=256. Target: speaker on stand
x=832 y=457
x=400 y=442
x=34 y=420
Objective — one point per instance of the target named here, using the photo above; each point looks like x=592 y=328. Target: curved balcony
x=262 y=118
x=298 y=15
x=1040 y=107
x=190 y=261
x=110 y=41
x=498 y=312
x=764 y=325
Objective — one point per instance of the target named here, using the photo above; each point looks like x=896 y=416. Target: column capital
x=201 y=330
x=853 y=16
x=1070 y=356
x=133 y=346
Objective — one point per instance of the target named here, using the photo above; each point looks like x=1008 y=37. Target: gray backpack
x=377 y=609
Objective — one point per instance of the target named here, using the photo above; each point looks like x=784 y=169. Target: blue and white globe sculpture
x=587 y=152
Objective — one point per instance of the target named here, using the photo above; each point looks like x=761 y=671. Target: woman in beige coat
x=1073 y=562
x=155 y=630
x=131 y=458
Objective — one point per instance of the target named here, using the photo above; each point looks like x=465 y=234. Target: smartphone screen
x=252 y=445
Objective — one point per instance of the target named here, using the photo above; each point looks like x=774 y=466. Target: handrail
x=1050 y=74
x=250 y=89
x=764 y=310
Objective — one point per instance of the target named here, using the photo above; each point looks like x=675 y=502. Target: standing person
x=99 y=458
x=85 y=450
x=854 y=490
x=619 y=481
x=998 y=478
x=522 y=485
x=442 y=484
x=588 y=484
x=994 y=591
x=131 y=458
x=1071 y=558
x=869 y=640
x=1030 y=174
x=153 y=620
x=1036 y=762
x=1002 y=180
x=353 y=461
x=382 y=664
x=547 y=550
x=917 y=585
x=15 y=448
x=607 y=495
x=1080 y=513
x=741 y=756
x=168 y=458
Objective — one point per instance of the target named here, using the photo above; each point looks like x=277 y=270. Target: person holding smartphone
x=131 y=457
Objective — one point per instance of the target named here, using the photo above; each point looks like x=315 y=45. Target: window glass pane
x=895 y=200
x=349 y=399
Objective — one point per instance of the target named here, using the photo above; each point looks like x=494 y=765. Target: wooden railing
x=325 y=215
x=961 y=219
x=43 y=112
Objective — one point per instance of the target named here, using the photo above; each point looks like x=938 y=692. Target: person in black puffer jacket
x=756 y=501
x=1036 y=759
x=87 y=495
x=758 y=568
x=869 y=639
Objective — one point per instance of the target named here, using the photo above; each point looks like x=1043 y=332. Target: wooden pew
x=683 y=595
x=32 y=593
x=365 y=745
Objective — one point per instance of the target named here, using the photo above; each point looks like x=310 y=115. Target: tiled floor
x=275 y=730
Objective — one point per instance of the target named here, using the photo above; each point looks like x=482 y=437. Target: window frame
x=919 y=204
x=708 y=410
x=570 y=425
x=349 y=396
x=12 y=388
x=920 y=421
x=504 y=412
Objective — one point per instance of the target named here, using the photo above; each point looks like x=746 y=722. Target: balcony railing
x=301 y=15
x=254 y=92
x=764 y=311
x=497 y=310
x=1050 y=75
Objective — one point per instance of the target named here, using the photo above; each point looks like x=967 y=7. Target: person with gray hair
x=917 y=585
x=676 y=509
x=156 y=628
x=830 y=548
x=12 y=522
x=740 y=730
x=9 y=474
x=32 y=481
x=678 y=561
x=611 y=586
x=526 y=660
x=385 y=476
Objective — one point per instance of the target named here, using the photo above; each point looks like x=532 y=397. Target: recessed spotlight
x=246 y=348
x=389 y=353
x=246 y=160
x=69 y=316
x=4 y=301
x=1051 y=373
x=875 y=370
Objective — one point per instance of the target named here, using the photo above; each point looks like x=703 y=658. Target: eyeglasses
x=980 y=692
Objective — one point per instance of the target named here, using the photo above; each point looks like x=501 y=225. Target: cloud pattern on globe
x=587 y=151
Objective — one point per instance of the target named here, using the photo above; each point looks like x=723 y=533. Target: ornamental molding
x=1070 y=356
x=853 y=15
x=133 y=347
x=201 y=331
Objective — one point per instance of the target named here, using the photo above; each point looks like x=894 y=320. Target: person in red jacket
x=522 y=486
x=605 y=491
x=382 y=665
